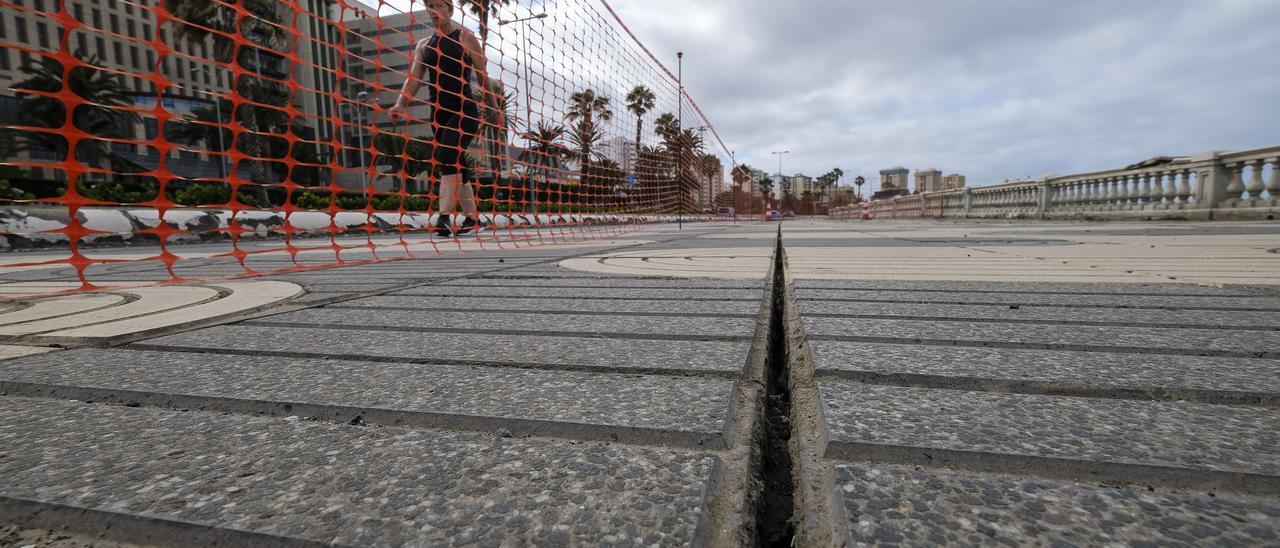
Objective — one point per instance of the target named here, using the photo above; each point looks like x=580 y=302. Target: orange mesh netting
x=266 y=133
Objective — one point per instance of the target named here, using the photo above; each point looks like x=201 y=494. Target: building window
x=115 y=24
x=42 y=35
x=130 y=28
x=133 y=56
x=119 y=53
x=20 y=24
x=78 y=11
x=97 y=18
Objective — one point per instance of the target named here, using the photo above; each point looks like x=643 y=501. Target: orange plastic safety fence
x=224 y=138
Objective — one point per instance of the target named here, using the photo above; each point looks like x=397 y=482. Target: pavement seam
x=1049 y=388
x=549 y=312
x=1262 y=354
x=1050 y=305
x=144 y=530
x=1058 y=468
x=374 y=416
x=1024 y=321
x=473 y=331
x=577 y=368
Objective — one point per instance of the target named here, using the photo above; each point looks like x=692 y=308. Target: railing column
x=1214 y=178
x=1046 y=199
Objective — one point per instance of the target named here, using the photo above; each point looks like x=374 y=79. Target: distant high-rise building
x=954 y=181
x=895 y=179
x=928 y=180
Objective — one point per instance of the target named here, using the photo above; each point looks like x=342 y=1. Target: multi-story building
x=954 y=181
x=193 y=82
x=895 y=178
x=621 y=150
x=928 y=180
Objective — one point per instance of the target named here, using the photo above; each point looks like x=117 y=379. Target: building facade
x=895 y=179
x=955 y=181
x=928 y=180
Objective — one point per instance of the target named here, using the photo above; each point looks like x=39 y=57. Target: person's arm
x=413 y=83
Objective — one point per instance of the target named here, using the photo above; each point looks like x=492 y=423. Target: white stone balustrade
x=1233 y=185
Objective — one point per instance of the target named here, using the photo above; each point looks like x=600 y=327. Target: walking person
x=446 y=63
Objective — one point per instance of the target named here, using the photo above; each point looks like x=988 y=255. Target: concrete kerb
x=819 y=516
x=137 y=529
x=733 y=494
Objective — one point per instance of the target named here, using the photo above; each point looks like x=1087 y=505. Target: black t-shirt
x=448 y=71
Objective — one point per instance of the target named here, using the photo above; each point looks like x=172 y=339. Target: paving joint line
x=1032 y=321
x=1049 y=305
x=364 y=358
x=522 y=332
x=355 y=415
x=1262 y=354
x=1057 y=468
x=1048 y=388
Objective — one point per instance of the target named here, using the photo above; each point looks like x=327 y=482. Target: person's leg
x=448 y=152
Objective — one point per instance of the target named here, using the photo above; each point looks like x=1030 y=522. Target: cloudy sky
x=993 y=89
x=989 y=88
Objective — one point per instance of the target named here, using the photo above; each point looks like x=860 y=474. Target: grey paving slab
x=1154 y=340
x=621 y=354
x=1102 y=369
x=347 y=484
x=1184 y=435
x=690 y=404
x=1137 y=317
x=892 y=506
x=514 y=302
x=992 y=287
x=505 y=321
x=1112 y=301
x=598 y=293
x=662 y=283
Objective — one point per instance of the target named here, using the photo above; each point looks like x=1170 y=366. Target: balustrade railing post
x=1046 y=199
x=1214 y=178
x=968 y=202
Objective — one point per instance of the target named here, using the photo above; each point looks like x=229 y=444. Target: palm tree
x=481 y=9
x=709 y=165
x=585 y=109
x=216 y=20
x=640 y=101
x=548 y=150
x=105 y=114
x=667 y=127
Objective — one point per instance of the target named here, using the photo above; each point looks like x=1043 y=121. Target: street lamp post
x=361 y=98
x=779 y=154
x=679 y=137
x=528 y=102
x=217 y=111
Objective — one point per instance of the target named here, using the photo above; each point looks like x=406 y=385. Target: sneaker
x=467 y=224
x=442 y=226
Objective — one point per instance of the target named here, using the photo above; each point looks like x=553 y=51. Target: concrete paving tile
x=688 y=404
x=1102 y=369
x=889 y=505
x=514 y=302
x=348 y=484
x=995 y=287
x=1195 y=436
x=492 y=320
x=1137 y=317
x=621 y=354
x=1114 y=301
x=628 y=283
x=603 y=292
x=8 y=351
x=1156 y=339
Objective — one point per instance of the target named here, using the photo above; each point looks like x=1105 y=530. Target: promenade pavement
x=887 y=383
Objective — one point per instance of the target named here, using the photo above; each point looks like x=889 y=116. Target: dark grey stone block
x=619 y=354
x=1192 y=436
x=1005 y=287
x=561 y=305
x=491 y=321
x=1111 y=301
x=921 y=506
x=1158 y=340
x=348 y=485
x=1100 y=369
x=653 y=402
x=590 y=293
x=1030 y=313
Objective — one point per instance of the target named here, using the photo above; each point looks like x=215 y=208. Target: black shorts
x=454 y=133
